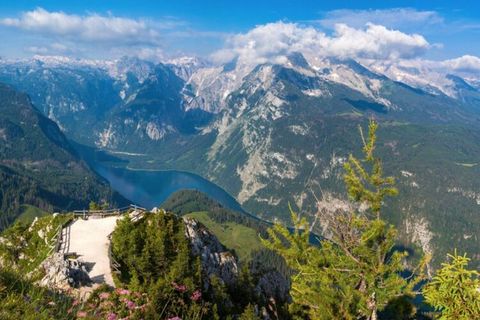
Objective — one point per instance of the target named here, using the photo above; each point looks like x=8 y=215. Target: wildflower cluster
x=114 y=305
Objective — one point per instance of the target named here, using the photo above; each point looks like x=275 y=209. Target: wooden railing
x=107 y=212
x=58 y=237
x=114 y=265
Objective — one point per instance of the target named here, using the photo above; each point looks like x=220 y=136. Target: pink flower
x=81 y=314
x=196 y=295
x=123 y=291
x=175 y=318
x=104 y=295
x=75 y=302
x=179 y=287
x=130 y=304
x=112 y=316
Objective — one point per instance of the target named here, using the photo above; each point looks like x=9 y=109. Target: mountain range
x=274 y=134
x=38 y=166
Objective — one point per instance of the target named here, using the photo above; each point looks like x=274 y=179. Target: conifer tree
x=454 y=291
x=249 y=314
x=355 y=272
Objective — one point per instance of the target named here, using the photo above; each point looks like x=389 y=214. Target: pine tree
x=356 y=272
x=455 y=291
x=249 y=314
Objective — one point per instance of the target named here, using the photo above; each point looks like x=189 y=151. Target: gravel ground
x=89 y=239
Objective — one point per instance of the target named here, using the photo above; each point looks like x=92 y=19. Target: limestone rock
x=272 y=286
x=215 y=258
x=64 y=273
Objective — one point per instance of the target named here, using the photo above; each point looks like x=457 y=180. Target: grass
x=242 y=239
x=21 y=299
x=25 y=246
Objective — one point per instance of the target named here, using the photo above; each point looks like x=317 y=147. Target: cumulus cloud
x=89 y=28
x=151 y=54
x=274 y=41
x=466 y=63
x=392 y=18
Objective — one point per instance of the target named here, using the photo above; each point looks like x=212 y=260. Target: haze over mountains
x=277 y=131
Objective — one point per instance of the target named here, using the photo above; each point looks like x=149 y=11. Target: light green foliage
x=455 y=291
x=21 y=299
x=249 y=314
x=354 y=273
x=24 y=246
x=368 y=186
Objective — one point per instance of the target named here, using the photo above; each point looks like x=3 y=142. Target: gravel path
x=89 y=239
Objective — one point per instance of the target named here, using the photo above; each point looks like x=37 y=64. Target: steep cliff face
x=216 y=259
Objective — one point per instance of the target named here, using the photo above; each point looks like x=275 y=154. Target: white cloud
x=466 y=63
x=392 y=18
x=37 y=50
x=272 y=42
x=89 y=28
x=376 y=42
x=59 y=47
x=151 y=54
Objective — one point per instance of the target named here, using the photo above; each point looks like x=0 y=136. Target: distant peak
x=297 y=59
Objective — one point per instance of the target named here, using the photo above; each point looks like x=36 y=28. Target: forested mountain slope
x=37 y=164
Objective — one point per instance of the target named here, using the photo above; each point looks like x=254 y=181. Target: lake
x=151 y=188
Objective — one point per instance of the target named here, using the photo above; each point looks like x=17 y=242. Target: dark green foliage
x=266 y=260
x=37 y=164
x=155 y=258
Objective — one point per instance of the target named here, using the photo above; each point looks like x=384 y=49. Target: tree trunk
x=372 y=305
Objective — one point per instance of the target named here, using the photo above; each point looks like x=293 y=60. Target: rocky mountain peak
x=216 y=259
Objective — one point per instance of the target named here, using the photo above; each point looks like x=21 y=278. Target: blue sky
x=108 y=29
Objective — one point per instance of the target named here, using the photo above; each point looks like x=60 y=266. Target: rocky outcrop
x=61 y=273
x=216 y=259
x=272 y=286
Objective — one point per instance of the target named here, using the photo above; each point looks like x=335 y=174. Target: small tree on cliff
x=454 y=292
x=355 y=272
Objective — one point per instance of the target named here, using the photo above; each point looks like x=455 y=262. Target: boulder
x=61 y=273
